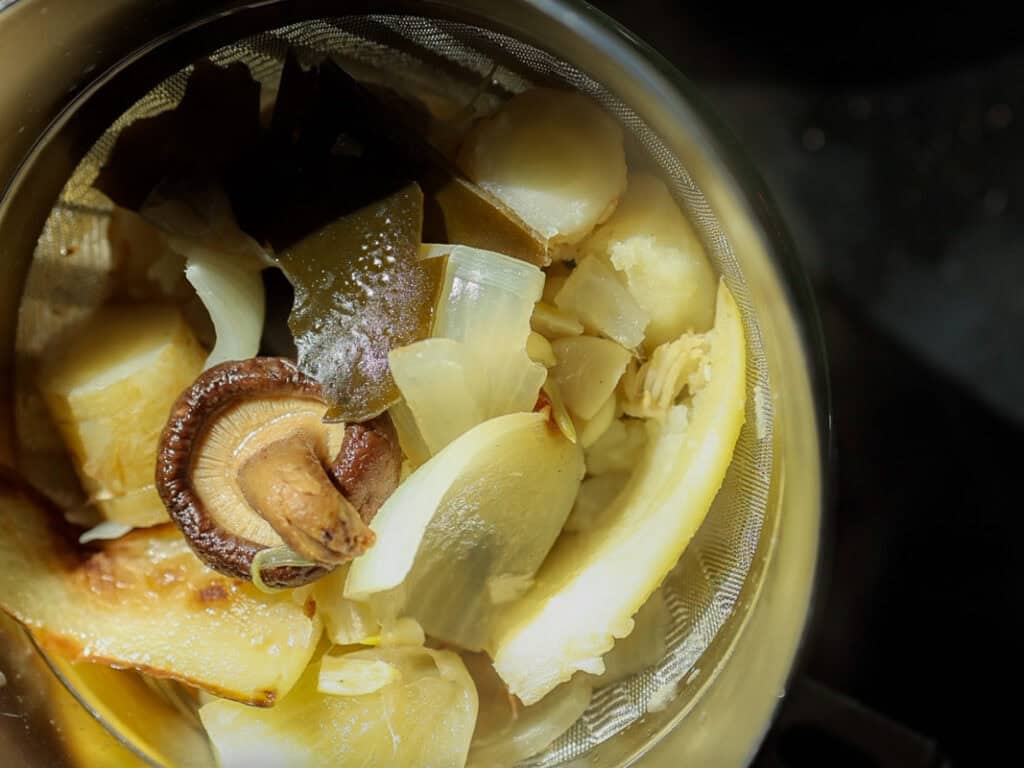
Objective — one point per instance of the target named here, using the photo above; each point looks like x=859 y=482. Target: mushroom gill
x=246 y=463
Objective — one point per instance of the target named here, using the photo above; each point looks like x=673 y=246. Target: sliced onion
x=482 y=512
x=477 y=366
x=233 y=295
x=596 y=295
x=274 y=557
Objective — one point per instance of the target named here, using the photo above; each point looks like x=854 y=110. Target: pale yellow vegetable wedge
x=422 y=718
x=587 y=371
x=554 y=157
x=110 y=393
x=470 y=527
x=655 y=247
x=593 y=582
x=145 y=602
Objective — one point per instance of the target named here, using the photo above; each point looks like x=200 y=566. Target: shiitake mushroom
x=246 y=463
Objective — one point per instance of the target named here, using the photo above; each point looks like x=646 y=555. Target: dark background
x=894 y=148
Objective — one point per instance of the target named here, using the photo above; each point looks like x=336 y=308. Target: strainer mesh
x=450 y=60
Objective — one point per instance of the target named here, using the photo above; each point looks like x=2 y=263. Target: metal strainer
x=712 y=592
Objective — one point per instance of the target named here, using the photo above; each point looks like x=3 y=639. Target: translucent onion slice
x=231 y=288
x=594 y=582
x=506 y=732
x=587 y=372
x=424 y=716
x=485 y=509
x=477 y=366
x=596 y=295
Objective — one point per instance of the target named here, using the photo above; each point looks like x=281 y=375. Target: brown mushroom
x=246 y=463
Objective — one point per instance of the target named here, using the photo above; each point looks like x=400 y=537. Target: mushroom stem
x=286 y=484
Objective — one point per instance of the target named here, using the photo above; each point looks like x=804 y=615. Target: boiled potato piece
x=145 y=602
x=469 y=528
x=422 y=718
x=654 y=245
x=553 y=157
x=593 y=582
x=597 y=295
x=506 y=732
x=110 y=394
x=587 y=371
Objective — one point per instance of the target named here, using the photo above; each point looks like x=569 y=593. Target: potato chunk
x=110 y=394
x=553 y=157
x=667 y=271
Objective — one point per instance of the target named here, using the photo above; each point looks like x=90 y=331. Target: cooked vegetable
x=145 y=602
x=595 y=294
x=323 y=107
x=595 y=581
x=346 y=676
x=591 y=430
x=596 y=495
x=506 y=731
x=361 y=291
x=466 y=520
x=422 y=719
x=551 y=397
x=477 y=367
x=654 y=245
x=587 y=372
x=553 y=323
x=650 y=389
x=109 y=393
x=539 y=349
x=232 y=292
x=246 y=464
x=619 y=449
x=554 y=157
x=346 y=622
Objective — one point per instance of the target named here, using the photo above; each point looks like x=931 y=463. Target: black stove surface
x=895 y=151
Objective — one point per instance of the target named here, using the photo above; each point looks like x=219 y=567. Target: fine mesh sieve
x=450 y=61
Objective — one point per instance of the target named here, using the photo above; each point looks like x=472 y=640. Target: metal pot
x=69 y=69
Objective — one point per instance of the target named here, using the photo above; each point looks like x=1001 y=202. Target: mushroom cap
x=223 y=419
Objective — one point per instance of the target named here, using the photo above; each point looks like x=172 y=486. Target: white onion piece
x=471 y=523
x=105 y=531
x=596 y=295
x=232 y=291
x=477 y=366
x=587 y=372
